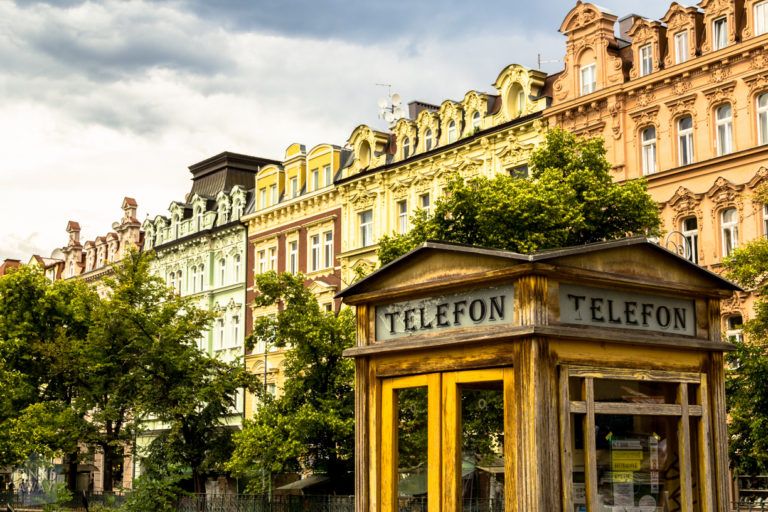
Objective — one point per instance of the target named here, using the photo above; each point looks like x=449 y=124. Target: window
x=293 y=257
x=451 y=131
x=328 y=249
x=406 y=147
x=220 y=332
x=402 y=216
x=724 y=123
x=681 y=47
x=194 y=279
x=315 y=173
x=519 y=171
x=235 y=330
x=729 y=226
x=199 y=215
x=428 y=139
x=646 y=60
x=476 y=121
x=222 y=272
x=762 y=118
x=294 y=186
x=178 y=282
x=201 y=273
x=273 y=194
x=424 y=202
x=236 y=260
x=263 y=197
x=685 y=140
x=761 y=18
x=649 y=150
x=734 y=328
x=690 y=230
x=273 y=258
x=588 y=78
x=237 y=208
x=720 y=33
x=365 y=220
x=171 y=278
x=315 y=253
x=520 y=102
x=627 y=454
x=327 y=177
x=262 y=259
x=765 y=220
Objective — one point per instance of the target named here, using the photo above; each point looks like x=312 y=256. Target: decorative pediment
x=681 y=105
x=757 y=82
x=723 y=191
x=759 y=177
x=645 y=116
x=475 y=102
x=582 y=16
x=684 y=200
x=721 y=94
x=361 y=197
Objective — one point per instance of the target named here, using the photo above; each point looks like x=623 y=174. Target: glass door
x=446 y=443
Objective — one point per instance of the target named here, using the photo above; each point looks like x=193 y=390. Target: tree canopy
x=311 y=424
x=570 y=199
x=747 y=383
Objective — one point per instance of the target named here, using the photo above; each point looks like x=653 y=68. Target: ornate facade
x=392 y=174
x=294 y=222
x=682 y=101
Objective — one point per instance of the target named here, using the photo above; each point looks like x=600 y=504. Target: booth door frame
x=444 y=427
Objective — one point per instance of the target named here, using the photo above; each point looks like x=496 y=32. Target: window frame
x=294 y=186
x=681 y=46
x=451 y=131
x=645 y=56
x=729 y=231
x=760 y=23
x=327 y=176
x=406 y=147
x=648 y=151
x=724 y=130
x=691 y=237
x=429 y=139
x=365 y=225
x=402 y=216
x=222 y=271
x=293 y=256
x=314 y=252
x=719 y=33
x=328 y=249
x=762 y=112
x=477 y=120
x=685 y=150
x=425 y=202
x=591 y=86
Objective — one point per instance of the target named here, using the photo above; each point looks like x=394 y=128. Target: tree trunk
x=106 y=471
x=72 y=471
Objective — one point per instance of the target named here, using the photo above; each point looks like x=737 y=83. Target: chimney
x=415 y=107
x=73 y=228
x=625 y=24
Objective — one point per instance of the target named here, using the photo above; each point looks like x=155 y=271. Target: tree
x=747 y=378
x=311 y=425
x=570 y=199
x=43 y=327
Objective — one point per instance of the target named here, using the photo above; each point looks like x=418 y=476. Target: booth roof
x=540 y=256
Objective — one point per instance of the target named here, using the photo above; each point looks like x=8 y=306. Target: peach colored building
x=682 y=101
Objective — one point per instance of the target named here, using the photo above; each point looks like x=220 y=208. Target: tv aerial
x=390 y=108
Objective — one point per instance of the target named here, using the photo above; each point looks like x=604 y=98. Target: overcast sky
x=101 y=100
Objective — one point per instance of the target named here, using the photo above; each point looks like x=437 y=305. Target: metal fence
x=261 y=503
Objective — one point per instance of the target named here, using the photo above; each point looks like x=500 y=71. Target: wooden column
x=719 y=428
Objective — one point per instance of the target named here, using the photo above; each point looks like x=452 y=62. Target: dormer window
x=720 y=33
x=237 y=209
x=681 y=47
x=327 y=176
x=294 y=186
x=451 y=131
x=406 y=147
x=315 y=179
x=476 y=121
x=428 y=139
x=263 y=197
x=199 y=217
x=273 y=194
x=761 y=18
x=588 y=75
x=646 y=60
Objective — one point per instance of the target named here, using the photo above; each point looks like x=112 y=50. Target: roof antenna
x=390 y=107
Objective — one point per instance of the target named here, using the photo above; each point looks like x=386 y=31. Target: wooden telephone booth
x=582 y=379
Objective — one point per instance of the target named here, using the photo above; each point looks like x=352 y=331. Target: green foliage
x=159 y=493
x=570 y=199
x=311 y=425
x=747 y=382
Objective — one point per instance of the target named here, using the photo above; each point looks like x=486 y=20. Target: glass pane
x=482 y=446
x=693 y=391
x=575 y=389
x=412 y=439
x=635 y=391
x=579 y=489
x=637 y=463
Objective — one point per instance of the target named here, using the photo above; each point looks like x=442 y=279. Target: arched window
x=428 y=139
x=364 y=154
x=172 y=280
x=762 y=118
x=729 y=226
x=724 y=124
x=222 y=271
x=451 y=131
x=201 y=272
x=476 y=121
x=649 y=150
x=690 y=229
x=406 y=147
x=761 y=18
x=588 y=75
x=685 y=140
x=193 y=274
